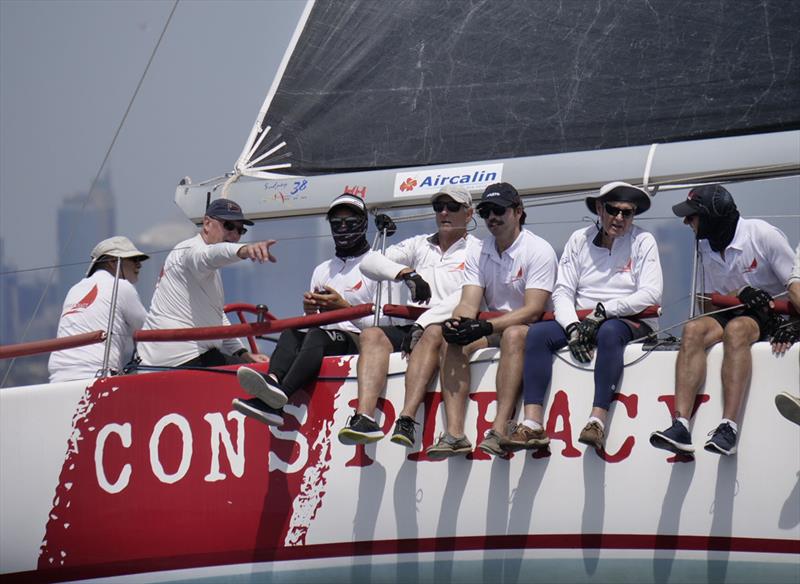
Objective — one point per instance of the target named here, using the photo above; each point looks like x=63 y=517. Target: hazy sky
x=68 y=70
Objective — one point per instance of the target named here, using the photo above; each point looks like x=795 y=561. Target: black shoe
x=258 y=410
x=261 y=386
x=360 y=430
x=404 y=431
x=676 y=439
x=722 y=441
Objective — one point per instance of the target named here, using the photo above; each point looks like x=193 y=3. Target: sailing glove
x=587 y=329
x=786 y=332
x=754 y=298
x=420 y=290
x=411 y=339
x=383 y=221
x=578 y=349
x=463 y=331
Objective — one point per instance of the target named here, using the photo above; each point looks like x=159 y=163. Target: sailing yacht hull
x=153 y=475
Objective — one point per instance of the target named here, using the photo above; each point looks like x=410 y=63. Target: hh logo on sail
x=425 y=182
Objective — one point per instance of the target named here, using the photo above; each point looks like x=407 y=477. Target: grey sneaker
x=447 y=446
x=258 y=410
x=676 y=439
x=722 y=441
x=404 y=431
x=524 y=438
x=262 y=387
x=592 y=435
x=360 y=430
x=789 y=406
x=491 y=443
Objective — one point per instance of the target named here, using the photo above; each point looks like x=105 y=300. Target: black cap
x=708 y=200
x=227 y=210
x=503 y=194
x=620 y=192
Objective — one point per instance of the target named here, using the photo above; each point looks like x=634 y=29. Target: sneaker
x=404 y=431
x=491 y=443
x=788 y=406
x=676 y=439
x=524 y=438
x=262 y=387
x=360 y=430
x=258 y=410
x=447 y=446
x=722 y=441
x=593 y=435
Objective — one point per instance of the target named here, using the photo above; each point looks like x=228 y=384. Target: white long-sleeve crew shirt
x=626 y=279
x=189 y=294
x=759 y=256
x=344 y=276
x=86 y=309
x=530 y=263
x=442 y=270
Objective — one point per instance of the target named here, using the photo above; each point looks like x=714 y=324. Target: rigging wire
x=94 y=182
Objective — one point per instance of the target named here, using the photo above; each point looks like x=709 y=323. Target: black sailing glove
x=465 y=330
x=785 y=332
x=580 y=351
x=754 y=298
x=587 y=329
x=383 y=221
x=411 y=339
x=420 y=290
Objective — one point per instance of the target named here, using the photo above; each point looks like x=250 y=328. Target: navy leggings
x=545 y=338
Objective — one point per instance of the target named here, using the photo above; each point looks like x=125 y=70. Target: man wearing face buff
x=335 y=283
x=511 y=271
x=748 y=258
x=613 y=269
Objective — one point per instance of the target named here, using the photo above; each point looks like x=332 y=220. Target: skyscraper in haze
x=81 y=224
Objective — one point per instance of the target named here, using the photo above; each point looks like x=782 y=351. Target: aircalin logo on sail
x=429 y=182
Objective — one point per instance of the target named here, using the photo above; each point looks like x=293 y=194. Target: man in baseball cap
x=88 y=304
x=748 y=258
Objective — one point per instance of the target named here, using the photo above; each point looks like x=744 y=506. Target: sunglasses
x=350 y=222
x=451 y=206
x=231 y=226
x=614 y=211
x=485 y=210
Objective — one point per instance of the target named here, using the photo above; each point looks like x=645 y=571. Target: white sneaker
x=788 y=406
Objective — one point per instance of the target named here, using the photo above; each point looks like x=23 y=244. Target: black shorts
x=760 y=316
x=395 y=334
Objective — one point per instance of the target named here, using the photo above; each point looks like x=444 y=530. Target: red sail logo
x=84 y=302
x=358 y=286
x=752 y=267
x=627 y=267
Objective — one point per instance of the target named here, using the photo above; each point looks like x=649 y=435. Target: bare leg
x=737 y=363
x=455 y=378
x=422 y=364
x=373 y=366
x=690 y=366
x=509 y=375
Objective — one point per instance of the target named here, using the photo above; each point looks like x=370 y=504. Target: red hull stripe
x=400 y=546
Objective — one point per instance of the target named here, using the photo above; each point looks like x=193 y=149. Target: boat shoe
x=262 y=387
x=524 y=438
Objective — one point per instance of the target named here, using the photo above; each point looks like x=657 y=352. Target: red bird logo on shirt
x=520 y=275
x=84 y=302
x=751 y=268
x=627 y=267
x=357 y=286
x=459 y=267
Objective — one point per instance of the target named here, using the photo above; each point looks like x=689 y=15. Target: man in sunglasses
x=189 y=291
x=336 y=283
x=87 y=306
x=511 y=271
x=432 y=266
x=748 y=258
x=613 y=269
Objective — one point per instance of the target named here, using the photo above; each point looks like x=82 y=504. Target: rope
x=94 y=183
